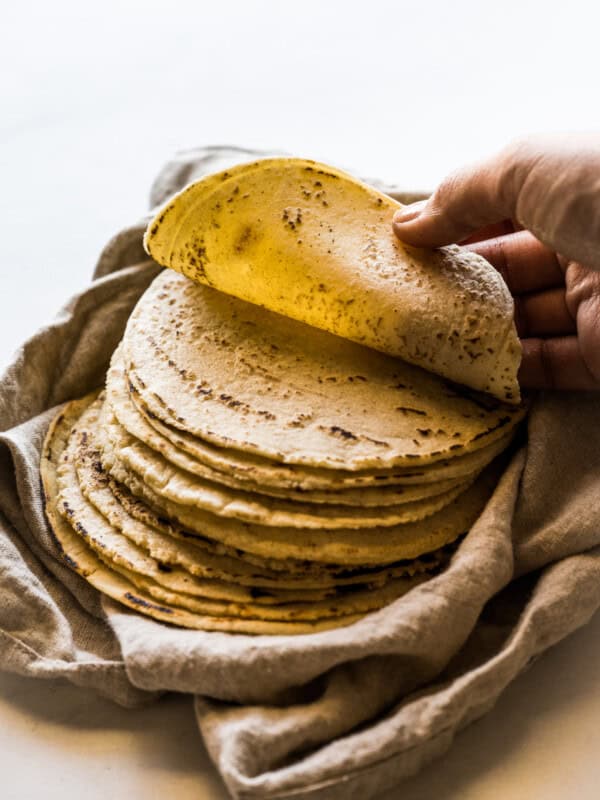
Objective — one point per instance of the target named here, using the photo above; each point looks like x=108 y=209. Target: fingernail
x=408 y=213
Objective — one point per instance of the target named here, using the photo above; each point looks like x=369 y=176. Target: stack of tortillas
x=278 y=447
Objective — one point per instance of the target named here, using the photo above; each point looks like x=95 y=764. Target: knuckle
x=514 y=164
x=582 y=286
x=448 y=190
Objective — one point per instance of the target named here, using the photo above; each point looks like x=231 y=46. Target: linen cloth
x=338 y=714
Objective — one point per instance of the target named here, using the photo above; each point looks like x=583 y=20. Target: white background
x=94 y=98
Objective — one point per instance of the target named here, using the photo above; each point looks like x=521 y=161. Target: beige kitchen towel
x=338 y=714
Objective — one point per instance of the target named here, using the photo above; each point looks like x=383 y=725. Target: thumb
x=465 y=201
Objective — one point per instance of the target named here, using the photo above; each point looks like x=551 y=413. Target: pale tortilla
x=269 y=571
x=217 y=576
x=347 y=546
x=240 y=377
x=257 y=471
x=119 y=399
x=72 y=538
x=180 y=486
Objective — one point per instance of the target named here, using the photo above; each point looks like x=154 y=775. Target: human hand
x=533 y=211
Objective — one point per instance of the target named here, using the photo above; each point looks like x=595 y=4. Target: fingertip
x=422 y=230
x=408 y=213
x=423 y=224
x=404 y=233
x=406 y=223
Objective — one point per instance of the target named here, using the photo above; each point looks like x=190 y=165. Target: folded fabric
x=344 y=713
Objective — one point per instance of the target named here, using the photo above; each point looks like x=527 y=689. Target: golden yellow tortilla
x=313 y=243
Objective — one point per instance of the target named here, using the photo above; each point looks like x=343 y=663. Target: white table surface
x=93 y=98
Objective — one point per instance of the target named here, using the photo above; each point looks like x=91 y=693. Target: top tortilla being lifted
x=312 y=243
